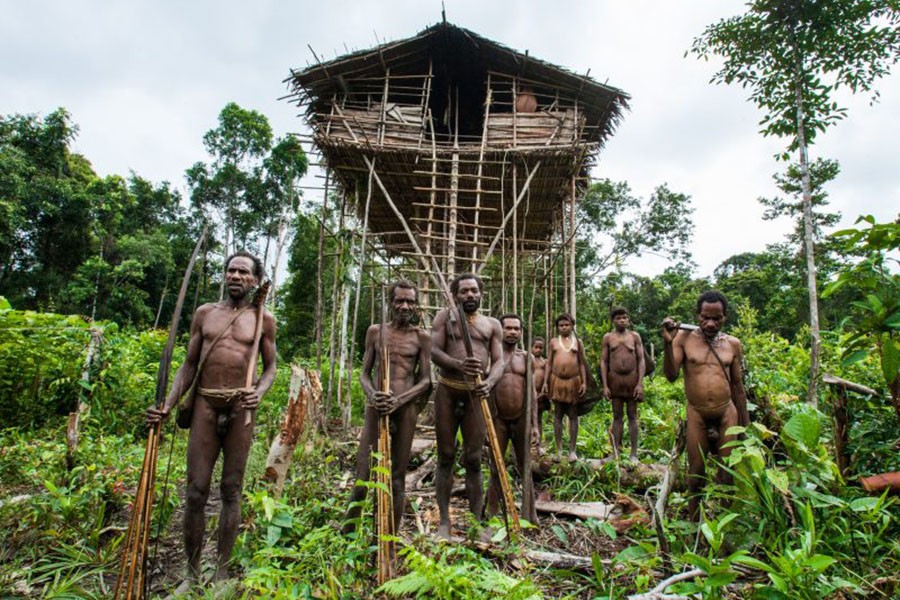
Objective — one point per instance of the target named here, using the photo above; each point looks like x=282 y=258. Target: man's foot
x=572 y=456
x=443 y=531
x=633 y=458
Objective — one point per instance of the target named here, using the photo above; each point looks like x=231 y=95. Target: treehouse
x=453 y=146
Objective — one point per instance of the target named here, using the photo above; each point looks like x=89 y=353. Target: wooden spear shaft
x=384 y=495
x=260 y=302
x=512 y=515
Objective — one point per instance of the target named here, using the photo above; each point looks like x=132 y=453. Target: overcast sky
x=145 y=79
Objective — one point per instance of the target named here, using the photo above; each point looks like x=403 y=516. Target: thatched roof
x=446 y=43
x=448 y=58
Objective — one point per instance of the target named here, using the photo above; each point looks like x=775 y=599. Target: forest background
x=90 y=265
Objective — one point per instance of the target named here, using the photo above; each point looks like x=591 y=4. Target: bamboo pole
x=385 y=525
x=565 y=262
x=478 y=187
x=515 y=246
x=572 y=272
x=335 y=310
x=362 y=257
x=453 y=194
x=506 y=218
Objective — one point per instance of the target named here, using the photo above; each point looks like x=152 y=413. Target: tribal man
x=410 y=378
x=541 y=403
x=508 y=407
x=215 y=369
x=457 y=397
x=713 y=384
x=622 y=372
x=566 y=380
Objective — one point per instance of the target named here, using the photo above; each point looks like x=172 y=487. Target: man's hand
x=607 y=393
x=471 y=366
x=669 y=329
x=582 y=390
x=156 y=415
x=250 y=401
x=384 y=402
x=639 y=391
x=483 y=389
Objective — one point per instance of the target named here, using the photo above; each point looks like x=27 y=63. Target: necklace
x=563 y=344
x=471 y=317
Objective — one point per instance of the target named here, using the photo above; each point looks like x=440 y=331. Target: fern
x=456 y=574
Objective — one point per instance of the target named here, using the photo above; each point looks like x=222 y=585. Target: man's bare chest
x=698 y=352
x=240 y=330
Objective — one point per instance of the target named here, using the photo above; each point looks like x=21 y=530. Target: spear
x=384 y=492
x=260 y=302
x=132 y=582
x=512 y=515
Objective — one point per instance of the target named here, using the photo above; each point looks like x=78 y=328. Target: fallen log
x=880 y=482
x=582 y=510
x=638 y=476
x=415 y=478
x=541 y=558
x=305 y=393
x=658 y=592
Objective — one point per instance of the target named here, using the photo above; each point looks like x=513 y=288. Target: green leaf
x=630 y=553
x=864 y=504
x=273 y=534
x=893 y=321
x=499 y=535
x=283 y=519
x=819 y=563
x=803 y=428
x=855 y=357
x=560 y=533
x=779 y=479
x=721 y=579
x=701 y=562
x=753 y=563
x=890 y=359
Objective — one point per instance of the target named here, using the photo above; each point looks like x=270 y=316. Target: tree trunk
x=304 y=396
x=74 y=424
x=279 y=248
x=319 y=263
x=342 y=362
x=814 y=336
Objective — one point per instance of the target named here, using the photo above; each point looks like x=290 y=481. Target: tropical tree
x=614 y=225
x=44 y=202
x=875 y=281
x=284 y=167
x=793 y=55
x=233 y=181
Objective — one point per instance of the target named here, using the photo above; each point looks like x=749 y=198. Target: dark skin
x=225 y=368
x=459 y=409
x=565 y=364
x=410 y=378
x=714 y=402
x=622 y=373
x=508 y=409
